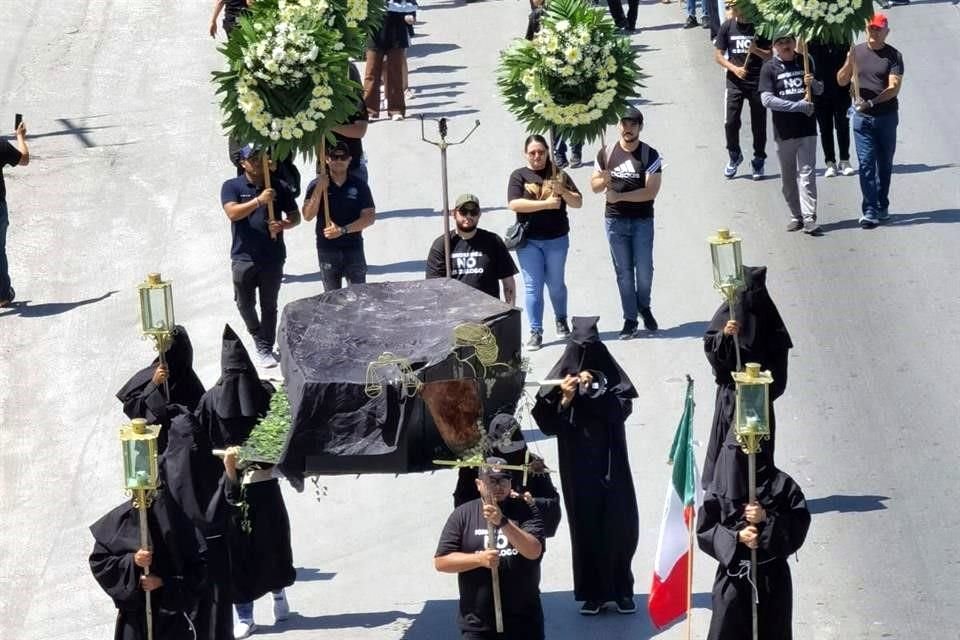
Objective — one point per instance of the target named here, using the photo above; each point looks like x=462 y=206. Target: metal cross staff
x=442 y=144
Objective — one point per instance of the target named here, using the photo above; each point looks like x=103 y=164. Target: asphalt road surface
x=127 y=162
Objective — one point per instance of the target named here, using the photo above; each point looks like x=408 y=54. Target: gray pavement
x=127 y=163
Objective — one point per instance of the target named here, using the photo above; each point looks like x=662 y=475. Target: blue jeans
x=876 y=139
x=543 y=262
x=692 y=7
x=4 y=267
x=631 y=247
x=339 y=264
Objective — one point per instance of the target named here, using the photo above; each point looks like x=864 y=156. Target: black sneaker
x=691 y=22
x=591 y=608
x=535 y=341
x=868 y=222
x=757 y=165
x=629 y=328
x=795 y=225
x=575 y=160
x=563 y=331
x=626 y=605
x=649 y=322
x=560 y=159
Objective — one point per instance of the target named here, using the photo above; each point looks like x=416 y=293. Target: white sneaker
x=409 y=93
x=266 y=359
x=831 y=170
x=281 y=609
x=243 y=629
x=397 y=117
x=846 y=169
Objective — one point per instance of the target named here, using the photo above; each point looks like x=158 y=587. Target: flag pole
x=693 y=519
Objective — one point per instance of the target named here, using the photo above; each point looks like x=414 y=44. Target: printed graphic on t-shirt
x=790 y=83
x=467 y=263
x=739 y=45
x=625 y=170
x=503 y=545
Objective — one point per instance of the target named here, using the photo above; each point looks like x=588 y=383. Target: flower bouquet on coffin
x=287 y=82
x=573 y=79
x=827 y=21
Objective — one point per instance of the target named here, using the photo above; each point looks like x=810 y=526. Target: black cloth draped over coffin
x=327 y=343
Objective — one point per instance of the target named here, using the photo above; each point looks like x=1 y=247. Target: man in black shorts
x=477 y=256
x=516 y=553
x=257 y=258
x=340 y=243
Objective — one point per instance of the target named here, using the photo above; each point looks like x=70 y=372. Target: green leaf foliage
x=827 y=21
x=269 y=436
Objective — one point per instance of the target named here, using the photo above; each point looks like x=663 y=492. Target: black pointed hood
x=761 y=326
x=585 y=351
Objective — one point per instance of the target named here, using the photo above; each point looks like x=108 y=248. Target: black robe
x=141 y=398
x=192 y=474
x=595 y=474
x=781 y=534
x=177 y=559
x=763 y=339
x=261 y=558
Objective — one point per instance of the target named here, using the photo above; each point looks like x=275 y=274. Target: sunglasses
x=469 y=211
x=339 y=157
x=497 y=481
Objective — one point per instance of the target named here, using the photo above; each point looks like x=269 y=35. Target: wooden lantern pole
x=141 y=501
x=266 y=185
x=322 y=154
x=808 y=93
x=495 y=571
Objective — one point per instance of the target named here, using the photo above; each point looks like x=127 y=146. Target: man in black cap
x=629 y=173
x=783 y=85
x=729 y=526
x=340 y=243
x=258 y=252
x=477 y=257
x=143 y=396
x=763 y=338
x=587 y=413
x=516 y=553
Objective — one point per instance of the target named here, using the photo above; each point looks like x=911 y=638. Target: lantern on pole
x=156 y=315
x=139 y=445
x=751 y=425
x=727 y=272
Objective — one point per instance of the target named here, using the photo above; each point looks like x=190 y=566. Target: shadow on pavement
x=561 y=616
x=26 y=310
x=423 y=50
x=920 y=167
x=940 y=216
x=685 y=330
x=407 y=266
x=305 y=574
x=437 y=68
x=406 y=213
x=334 y=621
x=847 y=504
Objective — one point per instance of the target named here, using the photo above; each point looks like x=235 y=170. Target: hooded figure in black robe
x=505 y=433
x=780 y=534
x=763 y=338
x=142 y=398
x=177 y=560
x=595 y=475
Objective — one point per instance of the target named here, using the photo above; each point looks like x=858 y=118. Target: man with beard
x=728 y=528
x=587 y=414
x=174 y=559
x=516 y=553
x=507 y=443
x=763 y=338
x=144 y=395
x=477 y=257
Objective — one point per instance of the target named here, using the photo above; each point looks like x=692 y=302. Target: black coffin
x=340 y=424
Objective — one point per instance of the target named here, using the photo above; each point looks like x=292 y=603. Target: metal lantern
x=139 y=442
x=727 y=262
x=156 y=305
x=752 y=418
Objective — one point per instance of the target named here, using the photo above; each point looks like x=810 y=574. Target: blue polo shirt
x=251 y=236
x=347 y=201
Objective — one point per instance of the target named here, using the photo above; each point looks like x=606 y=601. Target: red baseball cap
x=879 y=20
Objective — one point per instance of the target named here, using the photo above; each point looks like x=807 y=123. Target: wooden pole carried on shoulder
x=271 y=216
x=322 y=155
x=808 y=93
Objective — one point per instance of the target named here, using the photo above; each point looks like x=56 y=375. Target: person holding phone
x=13 y=156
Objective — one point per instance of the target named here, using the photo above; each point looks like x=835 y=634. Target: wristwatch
x=870 y=104
x=343 y=231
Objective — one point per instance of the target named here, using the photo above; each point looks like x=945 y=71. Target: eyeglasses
x=469 y=211
x=340 y=158
x=497 y=481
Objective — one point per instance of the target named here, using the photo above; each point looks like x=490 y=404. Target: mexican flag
x=669 y=593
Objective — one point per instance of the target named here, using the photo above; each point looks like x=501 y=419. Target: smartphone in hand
x=17 y=119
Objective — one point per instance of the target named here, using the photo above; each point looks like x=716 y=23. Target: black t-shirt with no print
x=481 y=261
x=734 y=39
x=874 y=68
x=466 y=532
x=9 y=155
x=785 y=81
x=628 y=172
x=355 y=145
x=545 y=224
x=347 y=202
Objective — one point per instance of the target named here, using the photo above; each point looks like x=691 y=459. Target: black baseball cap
x=632 y=113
